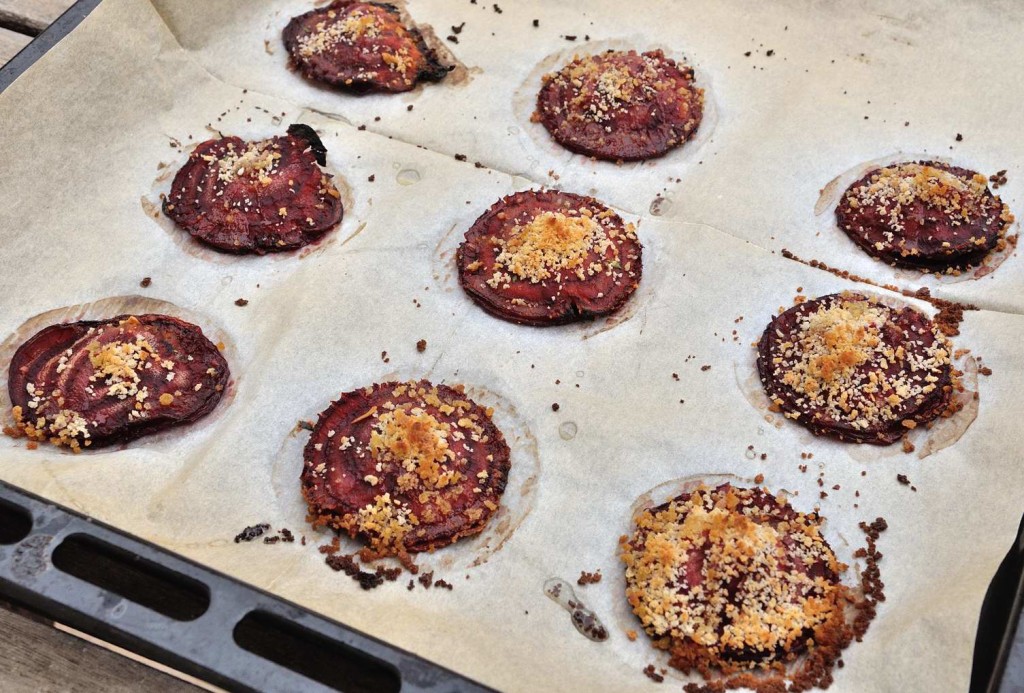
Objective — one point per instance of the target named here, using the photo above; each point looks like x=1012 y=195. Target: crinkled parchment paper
x=87 y=149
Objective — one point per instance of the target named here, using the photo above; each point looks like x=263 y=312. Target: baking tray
x=41 y=542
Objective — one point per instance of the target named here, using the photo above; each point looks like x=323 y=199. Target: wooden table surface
x=35 y=656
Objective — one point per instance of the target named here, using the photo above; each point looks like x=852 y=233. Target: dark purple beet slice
x=361 y=47
x=406 y=467
x=621 y=105
x=925 y=215
x=548 y=258
x=96 y=383
x=855 y=369
x=256 y=197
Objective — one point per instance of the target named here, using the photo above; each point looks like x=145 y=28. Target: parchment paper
x=86 y=150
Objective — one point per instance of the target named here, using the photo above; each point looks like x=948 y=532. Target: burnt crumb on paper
x=146 y=281
x=241 y=302
x=426 y=580
x=652 y=673
x=461 y=157
x=346 y=563
x=998 y=179
x=252 y=532
x=421 y=345
x=555 y=406
x=587 y=578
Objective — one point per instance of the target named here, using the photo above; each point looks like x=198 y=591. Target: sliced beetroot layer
x=96 y=383
x=621 y=106
x=925 y=215
x=849 y=367
x=361 y=47
x=548 y=258
x=406 y=467
x=730 y=577
x=256 y=197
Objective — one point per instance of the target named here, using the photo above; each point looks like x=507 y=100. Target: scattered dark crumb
x=589 y=578
x=747 y=54
x=458 y=29
x=286 y=535
x=411 y=586
x=372 y=177
x=496 y=8
x=271 y=540
x=764 y=455
x=445 y=585
x=409 y=107
x=536 y=22
x=759 y=479
x=376 y=119
x=706 y=367
x=305 y=425
x=822 y=494
x=555 y=407
x=959 y=137
x=345 y=563
x=361 y=127
x=570 y=38
x=770 y=52
x=985 y=370
x=452 y=38
x=835 y=487
x=652 y=674
x=303 y=540
x=146 y=281
x=675 y=376
x=250 y=533
x=478 y=164
x=427 y=579
x=460 y=157
x=241 y=302
x=384 y=357
x=421 y=345
x=902 y=478
x=997 y=179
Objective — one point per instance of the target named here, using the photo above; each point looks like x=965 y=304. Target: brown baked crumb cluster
x=851 y=366
x=738 y=586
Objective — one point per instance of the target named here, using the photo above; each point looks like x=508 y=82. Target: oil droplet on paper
x=408 y=176
x=568 y=430
x=585 y=620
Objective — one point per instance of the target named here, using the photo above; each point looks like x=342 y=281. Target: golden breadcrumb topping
x=842 y=361
x=331 y=32
x=894 y=188
x=716 y=569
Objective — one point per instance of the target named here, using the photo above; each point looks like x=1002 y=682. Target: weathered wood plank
x=31 y=16
x=10 y=43
x=36 y=657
